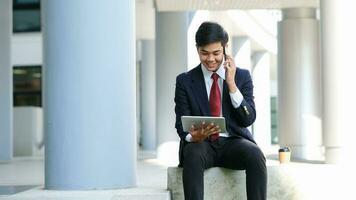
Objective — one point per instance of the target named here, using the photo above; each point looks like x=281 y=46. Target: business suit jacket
x=191 y=99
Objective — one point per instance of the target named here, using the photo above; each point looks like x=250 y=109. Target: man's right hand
x=200 y=133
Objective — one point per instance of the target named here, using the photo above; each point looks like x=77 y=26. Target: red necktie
x=215 y=101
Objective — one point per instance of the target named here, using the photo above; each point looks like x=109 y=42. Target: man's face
x=211 y=56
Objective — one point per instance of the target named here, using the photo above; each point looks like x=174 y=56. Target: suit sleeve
x=245 y=114
x=182 y=106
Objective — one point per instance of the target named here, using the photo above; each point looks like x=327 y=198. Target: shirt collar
x=207 y=74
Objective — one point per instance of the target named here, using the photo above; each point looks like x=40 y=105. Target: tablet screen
x=188 y=121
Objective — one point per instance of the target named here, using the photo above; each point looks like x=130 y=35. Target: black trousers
x=233 y=153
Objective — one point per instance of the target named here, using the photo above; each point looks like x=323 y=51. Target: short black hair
x=210 y=32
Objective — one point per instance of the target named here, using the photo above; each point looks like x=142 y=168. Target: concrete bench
x=225 y=183
x=291 y=182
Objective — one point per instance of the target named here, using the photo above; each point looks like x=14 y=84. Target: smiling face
x=211 y=55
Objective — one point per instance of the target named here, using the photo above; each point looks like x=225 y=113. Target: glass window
x=27 y=86
x=26 y=16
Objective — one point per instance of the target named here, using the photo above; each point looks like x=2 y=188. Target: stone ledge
x=289 y=181
x=220 y=180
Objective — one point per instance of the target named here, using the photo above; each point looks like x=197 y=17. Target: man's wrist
x=188 y=137
x=236 y=98
x=232 y=86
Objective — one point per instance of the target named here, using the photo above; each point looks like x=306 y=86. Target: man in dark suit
x=217 y=88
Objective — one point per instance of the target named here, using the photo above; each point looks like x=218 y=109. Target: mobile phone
x=224 y=52
x=225 y=57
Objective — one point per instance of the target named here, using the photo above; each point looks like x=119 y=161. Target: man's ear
x=197 y=48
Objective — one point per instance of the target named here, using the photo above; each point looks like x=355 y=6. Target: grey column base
x=307 y=152
x=333 y=155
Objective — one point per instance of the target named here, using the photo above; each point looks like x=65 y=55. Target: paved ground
x=23 y=178
x=26 y=176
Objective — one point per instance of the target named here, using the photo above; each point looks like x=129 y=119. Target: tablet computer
x=188 y=121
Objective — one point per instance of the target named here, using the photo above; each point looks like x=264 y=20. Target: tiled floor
x=22 y=171
x=26 y=176
x=14 y=189
x=23 y=178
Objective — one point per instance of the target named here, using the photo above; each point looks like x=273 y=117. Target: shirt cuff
x=188 y=138
x=236 y=98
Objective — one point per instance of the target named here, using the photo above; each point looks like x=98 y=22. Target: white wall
x=27 y=49
x=145 y=20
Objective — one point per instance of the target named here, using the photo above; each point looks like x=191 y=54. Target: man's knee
x=256 y=156
x=194 y=151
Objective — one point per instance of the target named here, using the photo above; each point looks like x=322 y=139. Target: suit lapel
x=199 y=88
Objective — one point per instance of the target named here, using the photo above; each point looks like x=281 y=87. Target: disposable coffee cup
x=284 y=155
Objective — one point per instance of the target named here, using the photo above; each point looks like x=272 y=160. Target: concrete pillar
x=28 y=131
x=338 y=62
x=89 y=106
x=262 y=93
x=6 y=98
x=299 y=83
x=148 y=95
x=138 y=91
x=241 y=51
x=171 y=60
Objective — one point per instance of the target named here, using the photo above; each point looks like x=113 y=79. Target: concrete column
x=299 y=83
x=138 y=91
x=148 y=95
x=89 y=105
x=171 y=60
x=262 y=93
x=6 y=99
x=338 y=62
x=241 y=51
